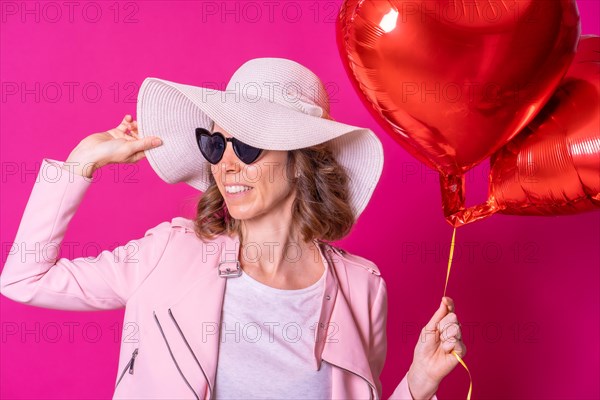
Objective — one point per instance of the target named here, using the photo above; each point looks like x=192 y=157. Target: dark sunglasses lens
x=211 y=146
x=246 y=153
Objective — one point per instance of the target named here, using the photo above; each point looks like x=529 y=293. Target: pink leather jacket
x=172 y=284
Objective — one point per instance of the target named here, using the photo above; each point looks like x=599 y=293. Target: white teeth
x=236 y=189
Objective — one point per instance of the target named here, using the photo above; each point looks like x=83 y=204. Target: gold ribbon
x=445 y=287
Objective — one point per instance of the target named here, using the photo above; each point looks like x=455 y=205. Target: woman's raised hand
x=433 y=358
x=117 y=145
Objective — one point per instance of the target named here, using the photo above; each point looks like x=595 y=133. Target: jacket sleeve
x=33 y=272
x=378 y=352
x=379 y=346
x=402 y=392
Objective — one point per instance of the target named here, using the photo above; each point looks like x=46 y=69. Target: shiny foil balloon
x=452 y=81
x=553 y=166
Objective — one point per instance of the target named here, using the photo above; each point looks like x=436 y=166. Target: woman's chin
x=240 y=213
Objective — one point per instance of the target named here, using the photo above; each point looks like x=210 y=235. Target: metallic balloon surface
x=454 y=80
x=553 y=166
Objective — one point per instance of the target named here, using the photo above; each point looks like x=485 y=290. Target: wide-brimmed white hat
x=269 y=103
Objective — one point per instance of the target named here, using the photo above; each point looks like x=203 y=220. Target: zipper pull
x=135 y=352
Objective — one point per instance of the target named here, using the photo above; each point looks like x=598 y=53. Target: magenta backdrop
x=526 y=288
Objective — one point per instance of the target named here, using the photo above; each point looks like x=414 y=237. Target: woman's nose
x=230 y=160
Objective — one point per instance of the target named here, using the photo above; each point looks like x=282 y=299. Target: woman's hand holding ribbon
x=433 y=358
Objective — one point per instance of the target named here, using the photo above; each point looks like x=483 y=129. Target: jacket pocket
x=129 y=366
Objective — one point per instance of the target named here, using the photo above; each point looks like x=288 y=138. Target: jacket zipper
x=194 y=355
x=173 y=357
x=129 y=365
x=372 y=389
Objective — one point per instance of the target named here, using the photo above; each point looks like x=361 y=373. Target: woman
x=248 y=300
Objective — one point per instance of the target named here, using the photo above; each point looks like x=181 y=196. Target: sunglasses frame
x=234 y=143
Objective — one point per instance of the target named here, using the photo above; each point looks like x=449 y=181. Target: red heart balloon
x=452 y=81
x=553 y=166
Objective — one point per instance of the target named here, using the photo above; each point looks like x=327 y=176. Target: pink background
x=526 y=289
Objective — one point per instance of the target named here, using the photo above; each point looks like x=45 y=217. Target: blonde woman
x=248 y=299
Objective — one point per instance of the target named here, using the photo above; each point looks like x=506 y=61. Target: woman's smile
x=237 y=191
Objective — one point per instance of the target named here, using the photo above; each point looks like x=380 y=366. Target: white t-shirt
x=267 y=342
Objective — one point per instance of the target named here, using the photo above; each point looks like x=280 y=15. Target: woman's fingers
x=127 y=129
x=449 y=303
x=120 y=132
x=449 y=346
x=134 y=128
x=451 y=335
x=437 y=317
x=137 y=156
x=125 y=124
x=458 y=346
x=460 y=349
x=140 y=145
x=131 y=124
x=449 y=320
x=128 y=124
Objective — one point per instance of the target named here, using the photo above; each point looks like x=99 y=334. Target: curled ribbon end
x=460 y=360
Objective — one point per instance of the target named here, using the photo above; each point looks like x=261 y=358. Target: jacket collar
x=338 y=339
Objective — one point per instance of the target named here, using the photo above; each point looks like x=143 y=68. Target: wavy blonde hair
x=321 y=209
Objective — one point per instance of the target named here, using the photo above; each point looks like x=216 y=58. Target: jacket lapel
x=197 y=316
x=341 y=344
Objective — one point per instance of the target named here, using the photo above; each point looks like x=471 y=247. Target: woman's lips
x=238 y=194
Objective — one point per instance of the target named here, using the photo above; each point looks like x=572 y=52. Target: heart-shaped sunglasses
x=212 y=146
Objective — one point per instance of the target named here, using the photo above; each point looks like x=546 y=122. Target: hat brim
x=172 y=111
